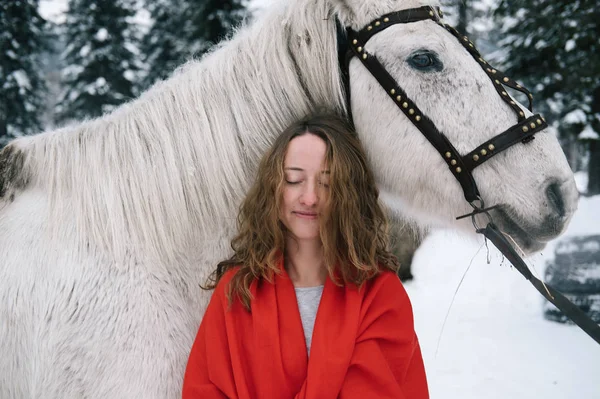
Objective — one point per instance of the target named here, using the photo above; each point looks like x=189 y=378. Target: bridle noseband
x=352 y=44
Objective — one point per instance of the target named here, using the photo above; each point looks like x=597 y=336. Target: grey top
x=308 y=302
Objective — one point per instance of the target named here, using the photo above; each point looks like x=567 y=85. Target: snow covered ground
x=495 y=343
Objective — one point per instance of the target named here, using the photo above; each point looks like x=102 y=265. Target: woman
x=312 y=235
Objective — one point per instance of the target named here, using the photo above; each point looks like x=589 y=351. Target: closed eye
x=292 y=182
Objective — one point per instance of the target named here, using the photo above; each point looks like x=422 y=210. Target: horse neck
x=169 y=169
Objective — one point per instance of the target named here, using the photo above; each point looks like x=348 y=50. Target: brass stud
x=518 y=86
x=539 y=122
x=504 y=93
x=489 y=70
x=491 y=147
x=393 y=91
x=377 y=23
x=466 y=39
x=483 y=152
x=364 y=56
x=532 y=125
x=494 y=71
x=369 y=27
x=521 y=113
x=405 y=105
x=417 y=118
x=525 y=129
x=470 y=44
x=506 y=79
x=481 y=59
x=398 y=98
x=386 y=19
x=453 y=162
x=512 y=102
x=530 y=95
x=458 y=170
x=359 y=49
x=411 y=111
x=431 y=13
x=475 y=157
x=448 y=154
x=497 y=81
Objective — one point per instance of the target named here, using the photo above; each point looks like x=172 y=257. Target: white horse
x=108 y=227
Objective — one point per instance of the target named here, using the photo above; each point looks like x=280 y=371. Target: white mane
x=222 y=107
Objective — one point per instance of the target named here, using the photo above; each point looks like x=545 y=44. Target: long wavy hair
x=353 y=227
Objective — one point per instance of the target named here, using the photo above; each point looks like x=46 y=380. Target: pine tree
x=210 y=21
x=185 y=29
x=22 y=88
x=553 y=46
x=100 y=58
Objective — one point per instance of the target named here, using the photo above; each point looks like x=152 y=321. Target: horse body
x=107 y=228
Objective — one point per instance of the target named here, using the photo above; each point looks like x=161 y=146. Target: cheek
x=287 y=197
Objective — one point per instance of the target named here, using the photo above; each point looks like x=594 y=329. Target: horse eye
x=424 y=60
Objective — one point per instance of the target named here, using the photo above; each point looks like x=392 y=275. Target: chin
x=304 y=235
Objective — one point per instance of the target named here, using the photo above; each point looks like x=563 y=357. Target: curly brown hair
x=353 y=229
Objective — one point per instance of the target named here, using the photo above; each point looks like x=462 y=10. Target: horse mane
x=168 y=169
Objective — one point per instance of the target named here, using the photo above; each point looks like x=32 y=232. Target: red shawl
x=363 y=345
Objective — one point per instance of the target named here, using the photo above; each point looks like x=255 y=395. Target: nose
x=310 y=195
x=555 y=196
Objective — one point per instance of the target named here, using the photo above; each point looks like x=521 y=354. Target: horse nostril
x=553 y=192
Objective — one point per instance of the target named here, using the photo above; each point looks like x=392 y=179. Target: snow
x=85 y=50
x=54 y=10
x=588 y=133
x=101 y=35
x=574 y=117
x=570 y=45
x=129 y=75
x=495 y=343
x=21 y=78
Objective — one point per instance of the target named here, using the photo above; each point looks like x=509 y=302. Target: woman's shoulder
x=223 y=285
x=386 y=286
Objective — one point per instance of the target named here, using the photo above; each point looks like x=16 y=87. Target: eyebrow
x=302 y=170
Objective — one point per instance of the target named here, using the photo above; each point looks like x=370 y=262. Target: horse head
x=447 y=84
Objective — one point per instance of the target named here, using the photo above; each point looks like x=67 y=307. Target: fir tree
x=554 y=47
x=100 y=65
x=164 y=47
x=210 y=21
x=22 y=88
x=186 y=29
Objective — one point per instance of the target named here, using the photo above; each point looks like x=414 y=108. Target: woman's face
x=305 y=187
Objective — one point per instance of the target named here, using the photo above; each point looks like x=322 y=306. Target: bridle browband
x=352 y=44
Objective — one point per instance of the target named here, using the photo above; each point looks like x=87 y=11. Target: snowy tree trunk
x=593 y=187
x=571 y=148
x=463 y=7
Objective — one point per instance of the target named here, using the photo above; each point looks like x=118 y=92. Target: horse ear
x=356 y=14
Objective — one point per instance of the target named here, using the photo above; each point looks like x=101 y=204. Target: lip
x=306 y=215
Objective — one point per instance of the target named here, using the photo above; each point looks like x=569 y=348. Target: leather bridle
x=352 y=44
x=460 y=166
